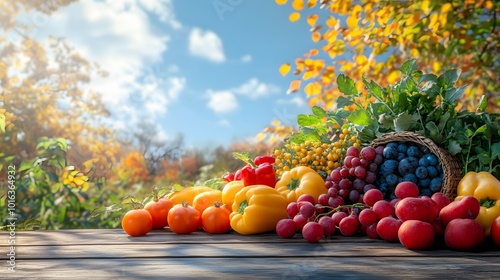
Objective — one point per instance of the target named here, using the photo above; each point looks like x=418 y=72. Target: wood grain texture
x=111 y=254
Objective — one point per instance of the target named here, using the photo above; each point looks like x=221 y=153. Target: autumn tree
x=372 y=38
x=51 y=124
x=43 y=91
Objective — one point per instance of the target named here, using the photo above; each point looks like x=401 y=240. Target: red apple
x=387 y=228
x=466 y=208
x=441 y=199
x=416 y=235
x=416 y=208
x=495 y=231
x=463 y=234
x=406 y=189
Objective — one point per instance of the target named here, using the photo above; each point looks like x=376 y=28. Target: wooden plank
x=261 y=250
x=117 y=236
x=261 y=268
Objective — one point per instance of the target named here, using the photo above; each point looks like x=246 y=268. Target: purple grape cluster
x=347 y=184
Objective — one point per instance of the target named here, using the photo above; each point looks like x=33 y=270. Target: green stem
x=338 y=208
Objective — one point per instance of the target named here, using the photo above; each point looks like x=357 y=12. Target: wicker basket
x=452 y=170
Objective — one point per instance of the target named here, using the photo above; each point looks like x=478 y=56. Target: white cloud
x=156 y=102
x=255 y=89
x=222 y=102
x=206 y=44
x=163 y=9
x=246 y=58
x=296 y=100
x=225 y=101
x=120 y=37
x=224 y=123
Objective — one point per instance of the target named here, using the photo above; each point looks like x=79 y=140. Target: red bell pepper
x=237 y=175
x=263 y=159
x=260 y=175
x=228 y=177
x=257 y=172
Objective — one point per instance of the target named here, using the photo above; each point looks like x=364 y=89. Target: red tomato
x=183 y=219
x=215 y=219
x=159 y=211
x=495 y=231
x=137 y=222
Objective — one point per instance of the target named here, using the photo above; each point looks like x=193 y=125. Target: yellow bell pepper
x=187 y=194
x=485 y=188
x=230 y=190
x=257 y=209
x=298 y=181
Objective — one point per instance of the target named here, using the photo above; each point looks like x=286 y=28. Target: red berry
x=300 y=221
x=367 y=217
x=372 y=196
x=349 y=225
x=286 y=228
x=383 y=208
x=292 y=209
x=338 y=216
x=306 y=197
x=312 y=232
x=328 y=225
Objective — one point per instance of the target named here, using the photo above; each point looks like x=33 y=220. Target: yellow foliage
x=294 y=86
x=312 y=88
x=311 y=20
x=316 y=36
x=298 y=4
x=352 y=21
x=426 y=6
x=281 y=2
x=311 y=3
x=331 y=22
x=414 y=19
x=446 y=8
x=294 y=16
x=284 y=69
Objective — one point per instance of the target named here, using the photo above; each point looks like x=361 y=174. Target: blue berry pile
x=407 y=161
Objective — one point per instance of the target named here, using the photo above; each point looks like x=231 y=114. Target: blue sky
x=206 y=69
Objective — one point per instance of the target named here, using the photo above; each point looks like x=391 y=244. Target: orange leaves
x=311 y=3
x=488 y=5
x=294 y=86
x=361 y=60
x=371 y=38
x=316 y=36
x=281 y=2
x=390 y=28
x=293 y=17
x=383 y=15
x=393 y=77
x=446 y=8
x=414 y=19
x=298 y=4
x=426 y=7
x=313 y=88
x=284 y=69
x=311 y=20
x=331 y=22
x=352 y=21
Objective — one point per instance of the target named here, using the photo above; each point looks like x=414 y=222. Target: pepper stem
x=242 y=206
x=294 y=183
x=487 y=202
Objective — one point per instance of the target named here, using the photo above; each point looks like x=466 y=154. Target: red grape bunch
x=347 y=184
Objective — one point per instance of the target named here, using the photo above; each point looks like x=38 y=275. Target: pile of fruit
x=320 y=186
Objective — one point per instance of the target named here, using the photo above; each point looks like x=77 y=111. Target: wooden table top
x=161 y=254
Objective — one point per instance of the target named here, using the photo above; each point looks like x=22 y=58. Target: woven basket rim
x=452 y=169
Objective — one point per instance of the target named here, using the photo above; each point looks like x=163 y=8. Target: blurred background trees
x=68 y=162
x=372 y=38
x=53 y=131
